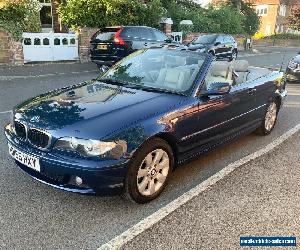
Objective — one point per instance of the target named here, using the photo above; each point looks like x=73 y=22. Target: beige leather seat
x=220 y=71
x=174 y=78
x=241 y=67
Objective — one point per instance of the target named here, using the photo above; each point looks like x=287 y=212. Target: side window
x=219 y=39
x=131 y=32
x=139 y=33
x=160 y=36
x=147 y=34
x=229 y=39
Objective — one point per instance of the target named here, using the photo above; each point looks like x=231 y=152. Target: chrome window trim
x=219 y=124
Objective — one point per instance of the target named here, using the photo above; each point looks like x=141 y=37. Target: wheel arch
x=168 y=138
x=278 y=101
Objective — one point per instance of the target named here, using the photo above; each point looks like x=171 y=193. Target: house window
x=262 y=10
x=282 y=10
x=46 y=14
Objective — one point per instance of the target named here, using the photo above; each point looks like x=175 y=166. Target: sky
x=202 y=2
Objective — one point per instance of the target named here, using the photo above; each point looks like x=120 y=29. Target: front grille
x=20 y=130
x=38 y=138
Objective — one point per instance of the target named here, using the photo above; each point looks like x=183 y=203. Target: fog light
x=78 y=180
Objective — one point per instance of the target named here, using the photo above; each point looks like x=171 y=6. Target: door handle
x=251 y=91
x=146 y=44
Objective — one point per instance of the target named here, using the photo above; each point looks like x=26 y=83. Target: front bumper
x=292 y=75
x=103 y=177
x=105 y=60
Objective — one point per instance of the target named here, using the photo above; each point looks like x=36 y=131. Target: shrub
x=20 y=15
x=258 y=35
x=283 y=36
x=101 y=13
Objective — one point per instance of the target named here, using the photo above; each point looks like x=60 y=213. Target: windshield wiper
x=153 y=89
x=112 y=81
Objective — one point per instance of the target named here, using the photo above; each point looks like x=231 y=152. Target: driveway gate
x=39 y=47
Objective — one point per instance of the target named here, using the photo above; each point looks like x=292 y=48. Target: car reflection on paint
x=124 y=132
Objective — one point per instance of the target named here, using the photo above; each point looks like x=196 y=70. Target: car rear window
x=107 y=34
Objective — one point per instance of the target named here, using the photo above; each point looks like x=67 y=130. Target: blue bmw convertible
x=124 y=132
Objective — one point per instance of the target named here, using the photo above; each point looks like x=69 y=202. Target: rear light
x=118 y=39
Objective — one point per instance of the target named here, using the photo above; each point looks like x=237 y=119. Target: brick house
x=274 y=15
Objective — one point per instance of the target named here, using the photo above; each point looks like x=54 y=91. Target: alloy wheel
x=153 y=172
x=271 y=116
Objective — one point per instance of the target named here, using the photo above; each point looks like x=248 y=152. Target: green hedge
x=20 y=16
x=101 y=13
x=283 y=36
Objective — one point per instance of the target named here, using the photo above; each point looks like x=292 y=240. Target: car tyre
x=269 y=120
x=233 y=55
x=148 y=171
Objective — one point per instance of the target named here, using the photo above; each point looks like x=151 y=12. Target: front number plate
x=28 y=160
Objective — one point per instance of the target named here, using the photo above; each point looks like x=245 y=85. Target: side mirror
x=217 y=43
x=103 y=69
x=217 y=88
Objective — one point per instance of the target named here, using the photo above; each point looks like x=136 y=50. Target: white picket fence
x=39 y=47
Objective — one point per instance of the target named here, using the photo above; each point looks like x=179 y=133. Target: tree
x=101 y=13
x=251 y=20
x=294 y=20
x=20 y=16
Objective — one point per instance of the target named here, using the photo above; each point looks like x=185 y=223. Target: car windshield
x=206 y=39
x=161 y=69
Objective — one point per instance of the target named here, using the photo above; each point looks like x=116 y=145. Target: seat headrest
x=175 y=61
x=219 y=68
x=241 y=66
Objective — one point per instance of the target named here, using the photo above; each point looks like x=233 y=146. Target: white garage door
x=40 y=47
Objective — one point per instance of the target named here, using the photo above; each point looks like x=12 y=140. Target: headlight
x=90 y=148
x=293 y=65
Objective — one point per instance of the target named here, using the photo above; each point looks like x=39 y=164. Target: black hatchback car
x=293 y=69
x=220 y=45
x=111 y=44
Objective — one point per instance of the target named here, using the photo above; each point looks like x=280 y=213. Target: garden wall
x=11 y=51
x=278 y=42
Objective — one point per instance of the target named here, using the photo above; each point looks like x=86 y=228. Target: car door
x=148 y=38
x=219 y=48
x=219 y=118
x=262 y=91
x=140 y=37
x=244 y=107
x=160 y=37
